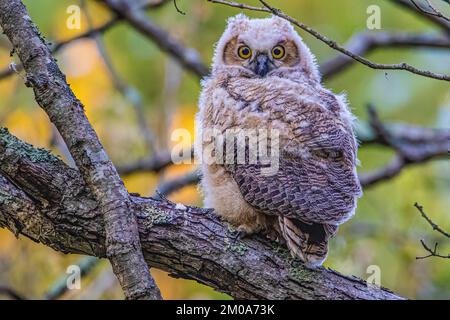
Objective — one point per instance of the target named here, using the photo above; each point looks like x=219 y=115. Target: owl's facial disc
x=261 y=64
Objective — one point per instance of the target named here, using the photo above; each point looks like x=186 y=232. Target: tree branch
x=56 y=98
x=187 y=57
x=56 y=47
x=332 y=44
x=412 y=145
x=187 y=242
x=59 y=288
x=433 y=12
x=127 y=91
x=407 y=4
x=365 y=42
x=432 y=224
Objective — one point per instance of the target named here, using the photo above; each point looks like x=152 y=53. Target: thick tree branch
x=57 y=99
x=187 y=242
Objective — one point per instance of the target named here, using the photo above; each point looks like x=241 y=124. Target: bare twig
x=177 y=8
x=332 y=44
x=365 y=42
x=432 y=224
x=433 y=12
x=432 y=252
x=407 y=4
x=154 y=163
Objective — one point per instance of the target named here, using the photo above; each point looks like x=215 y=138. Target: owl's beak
x=261 y=65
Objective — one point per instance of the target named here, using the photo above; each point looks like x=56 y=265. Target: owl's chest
x=251 y=108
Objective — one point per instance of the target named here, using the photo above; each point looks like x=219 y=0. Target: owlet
x=265 y=93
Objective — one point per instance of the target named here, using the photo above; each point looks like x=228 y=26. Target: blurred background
x=162 y=95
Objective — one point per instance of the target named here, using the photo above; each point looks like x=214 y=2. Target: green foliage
x=386 y=228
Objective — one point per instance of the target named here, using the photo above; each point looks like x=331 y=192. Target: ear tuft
x=238 y=22
x=282 y=23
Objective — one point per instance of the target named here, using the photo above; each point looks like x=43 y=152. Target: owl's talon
x=239 y=235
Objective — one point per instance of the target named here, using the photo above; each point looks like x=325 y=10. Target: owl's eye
x=278 y=52
x=244 y=52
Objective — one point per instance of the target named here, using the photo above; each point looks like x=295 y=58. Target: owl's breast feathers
x=316 y=180
x=316 y=186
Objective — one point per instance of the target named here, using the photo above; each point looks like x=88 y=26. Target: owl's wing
x=315 y=182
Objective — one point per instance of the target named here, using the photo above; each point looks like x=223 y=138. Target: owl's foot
x=272 y=235
x=238 y=235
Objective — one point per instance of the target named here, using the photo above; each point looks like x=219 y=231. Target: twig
x=155 y=163
x=332 y=44
x=432 y=224
x=178 y=9
x=432 y=252
x=407 y=4
x=365 y=42
x=433 y=12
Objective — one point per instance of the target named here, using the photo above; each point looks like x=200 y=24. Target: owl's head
x=263 y=47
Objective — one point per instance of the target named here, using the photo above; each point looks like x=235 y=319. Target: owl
x=264 y=77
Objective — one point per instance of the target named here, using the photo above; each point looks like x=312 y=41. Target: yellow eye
x=278 y=52
x=244 y=52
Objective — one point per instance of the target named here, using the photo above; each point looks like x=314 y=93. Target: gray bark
x=187 y=242
x=89 y=211
x=57 y=99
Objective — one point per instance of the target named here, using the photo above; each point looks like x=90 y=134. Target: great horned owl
x=264 y=76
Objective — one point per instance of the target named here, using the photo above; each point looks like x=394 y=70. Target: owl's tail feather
x=307 y=241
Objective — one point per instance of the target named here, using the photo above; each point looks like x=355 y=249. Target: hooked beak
x=261 y=65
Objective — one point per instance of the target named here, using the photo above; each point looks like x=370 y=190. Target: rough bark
x=187 y=242
x=90 y=212
x=56 y=98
